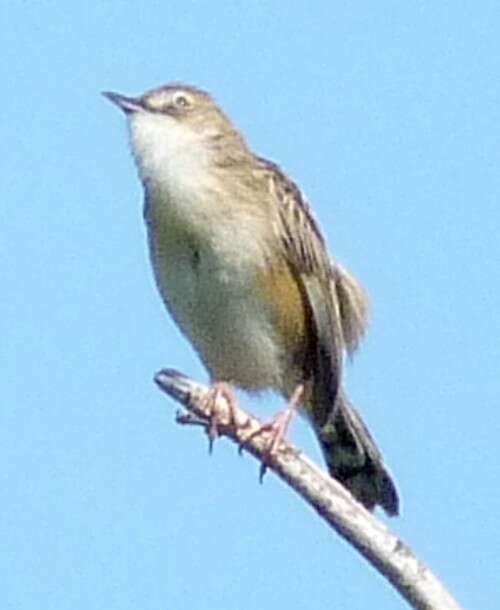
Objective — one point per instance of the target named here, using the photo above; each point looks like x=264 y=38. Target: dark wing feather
x=338 y=307
x=308 y=258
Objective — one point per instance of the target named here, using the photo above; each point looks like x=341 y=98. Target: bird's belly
x=213 y=300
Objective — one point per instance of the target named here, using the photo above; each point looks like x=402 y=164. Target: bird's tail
x=353 y=458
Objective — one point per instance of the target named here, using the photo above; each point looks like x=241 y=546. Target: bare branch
x=385 y=551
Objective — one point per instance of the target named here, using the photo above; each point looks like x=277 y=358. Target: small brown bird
x=243 y=268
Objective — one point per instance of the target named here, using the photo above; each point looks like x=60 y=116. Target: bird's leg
x=277 y=428
x=219 y=389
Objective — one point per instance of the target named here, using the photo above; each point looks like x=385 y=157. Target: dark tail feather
x=353 y=458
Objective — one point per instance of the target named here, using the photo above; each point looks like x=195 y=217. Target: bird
x=244 y=270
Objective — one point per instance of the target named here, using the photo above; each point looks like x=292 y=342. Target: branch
x=385 y=551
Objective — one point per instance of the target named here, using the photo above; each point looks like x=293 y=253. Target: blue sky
x=387 y=115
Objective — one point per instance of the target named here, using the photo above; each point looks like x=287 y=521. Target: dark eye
x=181 y=101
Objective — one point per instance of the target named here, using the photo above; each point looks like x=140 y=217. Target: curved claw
x=219 y=389
x=277 y=429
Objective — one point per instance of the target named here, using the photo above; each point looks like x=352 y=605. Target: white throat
x=170 y=155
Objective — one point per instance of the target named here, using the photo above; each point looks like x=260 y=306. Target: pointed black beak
x=127 y=104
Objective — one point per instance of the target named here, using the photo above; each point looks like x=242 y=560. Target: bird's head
x=175 y=124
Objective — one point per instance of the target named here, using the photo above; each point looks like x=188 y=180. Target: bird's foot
x=219 y=389
x=277 y=429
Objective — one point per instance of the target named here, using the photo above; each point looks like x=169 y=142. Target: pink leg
x=219 y=389
x=278 y=427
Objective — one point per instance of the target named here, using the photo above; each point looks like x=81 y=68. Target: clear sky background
x=388 y=116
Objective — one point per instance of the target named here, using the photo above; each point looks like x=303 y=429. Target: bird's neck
x=172 y=161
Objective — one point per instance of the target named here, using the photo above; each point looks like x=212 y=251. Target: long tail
x=353 y=458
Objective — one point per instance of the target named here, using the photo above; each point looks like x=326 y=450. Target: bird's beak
x=127 y=104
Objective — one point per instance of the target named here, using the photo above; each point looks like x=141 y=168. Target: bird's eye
x=181 y=101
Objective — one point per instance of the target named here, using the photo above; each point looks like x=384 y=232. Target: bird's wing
x=305 y=250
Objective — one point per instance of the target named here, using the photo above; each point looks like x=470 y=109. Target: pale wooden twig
x=385 y=551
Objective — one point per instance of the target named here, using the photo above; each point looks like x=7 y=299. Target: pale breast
x=208 y=283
